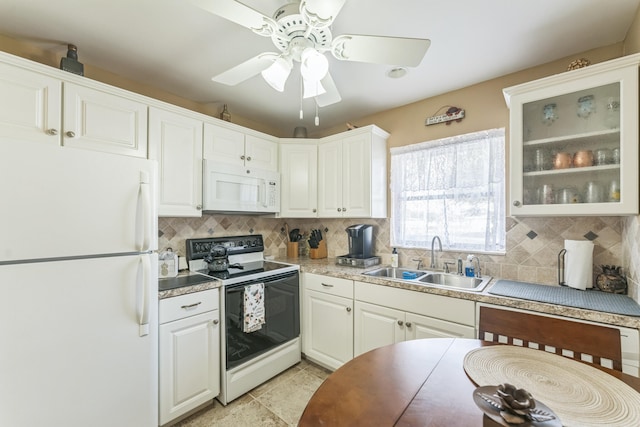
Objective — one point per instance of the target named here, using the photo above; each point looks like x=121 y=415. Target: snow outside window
x=452 y=188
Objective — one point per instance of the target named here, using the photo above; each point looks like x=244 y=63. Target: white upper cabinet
x=42 y=104
x=29 y=106
x=574 y=142
x=352 y=174
x=261 y=153
x=101 y=121
x=175 y=141
x=238 y=148
x=299 y=170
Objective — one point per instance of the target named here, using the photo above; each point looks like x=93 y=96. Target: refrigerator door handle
x=144 y=268
x=143 y=220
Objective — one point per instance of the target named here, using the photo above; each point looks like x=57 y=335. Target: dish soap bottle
x=469 y=271
x=394 y=258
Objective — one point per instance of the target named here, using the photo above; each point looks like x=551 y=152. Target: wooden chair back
x=562 y=337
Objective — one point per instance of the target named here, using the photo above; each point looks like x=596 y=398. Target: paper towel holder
x=561 y=281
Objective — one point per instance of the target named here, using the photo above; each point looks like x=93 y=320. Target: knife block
x=319 y=252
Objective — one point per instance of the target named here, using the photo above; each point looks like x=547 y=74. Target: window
x=452 y=188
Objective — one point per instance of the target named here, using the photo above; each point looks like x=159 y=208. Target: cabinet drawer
x=188 y=305
x=329 y=285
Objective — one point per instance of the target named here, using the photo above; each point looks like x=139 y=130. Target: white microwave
x=230 y=189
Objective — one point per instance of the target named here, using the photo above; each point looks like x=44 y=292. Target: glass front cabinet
x=574 y=142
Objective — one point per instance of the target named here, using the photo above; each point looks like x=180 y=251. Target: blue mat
x=560 y=295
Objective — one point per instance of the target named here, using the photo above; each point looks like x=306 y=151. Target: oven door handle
x=267 y=280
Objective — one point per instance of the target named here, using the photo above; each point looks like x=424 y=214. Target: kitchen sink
x=456 y=281
x=445 y=280
x=395 y=273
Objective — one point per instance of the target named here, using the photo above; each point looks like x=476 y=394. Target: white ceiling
x=178 y=47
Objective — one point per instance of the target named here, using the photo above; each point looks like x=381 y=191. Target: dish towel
x=253 y=307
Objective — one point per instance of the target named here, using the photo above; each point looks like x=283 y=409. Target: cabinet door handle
x=339 y=210
x=408 y=324
x=314 y=210
x=187 y=307
x=216 y=321
x=199 y=207
x=348 y=309
x=51 y=132
x=400 y=322
x=248 y=158
x=327 y=285
x=344 y=209
x=242 y=157
x=70 y=134
x=517 y=203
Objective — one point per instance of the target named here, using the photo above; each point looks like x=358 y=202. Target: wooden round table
x=412 y=383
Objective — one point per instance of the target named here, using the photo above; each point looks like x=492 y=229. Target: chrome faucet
x=419 y=261
x=477 y=269
x=433 y=241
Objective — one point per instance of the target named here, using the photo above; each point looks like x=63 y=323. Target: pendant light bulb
x=317 y=121
x=313 y=65
x=278 y=73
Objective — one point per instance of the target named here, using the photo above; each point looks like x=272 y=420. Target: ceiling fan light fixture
x=312 y=88
x=278 y=73
x=313 y=65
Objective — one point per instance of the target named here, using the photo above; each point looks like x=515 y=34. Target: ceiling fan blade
x=246 y=70
x=331 y=95
x=320 y=13
x=240 y=14
x=380 y=50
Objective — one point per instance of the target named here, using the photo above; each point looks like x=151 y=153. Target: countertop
x=328 y=267
x=200 y=282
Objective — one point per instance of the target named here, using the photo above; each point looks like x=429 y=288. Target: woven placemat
x=581 y=395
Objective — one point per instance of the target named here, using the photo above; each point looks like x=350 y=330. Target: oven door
x=282 y=317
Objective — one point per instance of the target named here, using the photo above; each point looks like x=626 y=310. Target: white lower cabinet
x=343 y=319
x=386 y=315
x=189 y=364
x=327 y=325
x=376 y=326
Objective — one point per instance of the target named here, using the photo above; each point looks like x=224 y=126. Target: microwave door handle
x=263 y=196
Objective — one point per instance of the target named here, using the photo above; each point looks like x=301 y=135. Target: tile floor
x=277 y=403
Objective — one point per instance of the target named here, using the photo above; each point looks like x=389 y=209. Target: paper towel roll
x=578 y=270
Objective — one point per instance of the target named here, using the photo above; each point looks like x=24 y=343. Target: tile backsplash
x=532 y=243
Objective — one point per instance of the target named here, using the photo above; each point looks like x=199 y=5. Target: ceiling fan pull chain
x=301 y=96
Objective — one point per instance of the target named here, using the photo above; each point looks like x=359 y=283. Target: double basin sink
x=439 y=279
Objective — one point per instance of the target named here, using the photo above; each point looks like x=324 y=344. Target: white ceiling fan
x=300 y=30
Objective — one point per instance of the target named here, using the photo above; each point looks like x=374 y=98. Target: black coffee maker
x=360 y=241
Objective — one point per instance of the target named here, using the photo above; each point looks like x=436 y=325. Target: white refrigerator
x=78 y=288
